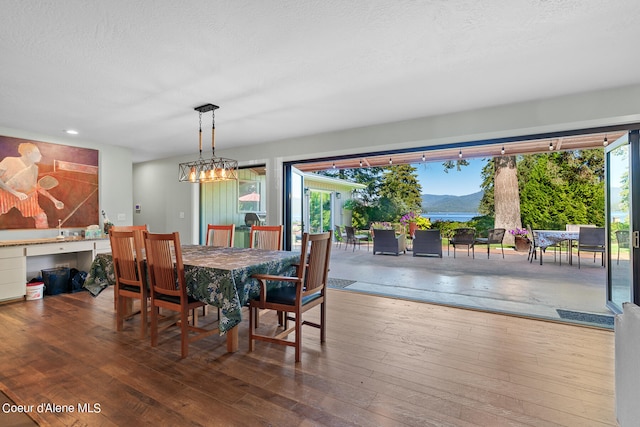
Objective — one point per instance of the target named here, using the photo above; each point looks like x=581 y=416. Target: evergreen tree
x=400 y=184
x=555 y=189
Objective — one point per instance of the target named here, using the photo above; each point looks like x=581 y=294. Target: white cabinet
x=13 y=261
x=13 y=271
x=102 y=246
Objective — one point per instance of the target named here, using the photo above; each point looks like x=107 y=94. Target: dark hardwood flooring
x=386 y=362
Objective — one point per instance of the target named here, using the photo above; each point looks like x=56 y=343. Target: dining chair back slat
x=266 y=237
x=220 y=235
x=166 y=270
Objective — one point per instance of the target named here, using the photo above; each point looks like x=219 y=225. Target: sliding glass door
x=622 y=186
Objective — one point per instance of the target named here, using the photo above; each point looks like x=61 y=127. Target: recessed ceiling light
x=71 y=131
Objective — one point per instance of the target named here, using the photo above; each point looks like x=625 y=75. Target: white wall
x=115 y=181
x=157 y=180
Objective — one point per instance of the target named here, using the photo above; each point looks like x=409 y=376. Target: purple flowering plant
x=519 y=232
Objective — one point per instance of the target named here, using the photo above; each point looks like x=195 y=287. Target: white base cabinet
x=14 y=258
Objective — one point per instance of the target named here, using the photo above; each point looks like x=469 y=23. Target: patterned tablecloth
x=218 y=276
x=547 y=238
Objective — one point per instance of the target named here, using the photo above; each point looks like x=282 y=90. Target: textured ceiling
x=130 y=72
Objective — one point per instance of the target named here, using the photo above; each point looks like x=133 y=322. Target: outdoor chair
x=338 y=236
x=168 y=290
x=495 y=236
x=303 y=292
x=591 y=240
x=220 y=235
x=386 y=241
x=535 y=247
x=353 y=238
x=463 y=237
x=622 y=238
x=571 y=244
x=427 y=242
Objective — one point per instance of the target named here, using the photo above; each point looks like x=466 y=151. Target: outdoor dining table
x=546 y=238
x=221 y=277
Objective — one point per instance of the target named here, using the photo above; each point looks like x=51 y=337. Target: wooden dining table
x=221 y=277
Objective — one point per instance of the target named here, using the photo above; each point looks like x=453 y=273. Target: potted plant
x=521 y=239
x=413 y=221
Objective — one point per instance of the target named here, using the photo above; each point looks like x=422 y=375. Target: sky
x=434 y=180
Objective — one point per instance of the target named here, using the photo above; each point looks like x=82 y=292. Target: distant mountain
x=446 y=203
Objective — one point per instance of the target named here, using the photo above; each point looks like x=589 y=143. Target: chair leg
x=298 y=336
x=252 y=328
x=154 y=326
x=184 y=333
x=143 y=316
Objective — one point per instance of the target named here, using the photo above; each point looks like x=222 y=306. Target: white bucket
x=35 y=291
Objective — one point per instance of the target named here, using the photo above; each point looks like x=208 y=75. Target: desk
x=218 y=276
x=546 y=238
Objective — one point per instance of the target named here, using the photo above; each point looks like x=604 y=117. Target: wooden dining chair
x=266 y=237
x=129 y=271
x=168 y=290
x=138 y=234
x=220 y=235
x=306 y=290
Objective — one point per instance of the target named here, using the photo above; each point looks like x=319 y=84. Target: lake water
x=450 y=216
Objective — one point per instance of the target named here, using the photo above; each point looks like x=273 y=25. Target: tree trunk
x=506 y=196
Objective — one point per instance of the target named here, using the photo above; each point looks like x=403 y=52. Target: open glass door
x=623 y=266
x=295 y=216
x=320 y=218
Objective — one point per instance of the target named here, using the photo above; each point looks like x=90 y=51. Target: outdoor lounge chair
x=496 y=236
x=427 y=242
x=385 y=241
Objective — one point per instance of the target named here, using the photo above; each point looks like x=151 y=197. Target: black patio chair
x=386 y=241
x=495 y=236
x=353 y=238
x=591 y=240
x=427 y=242
x=463 y=237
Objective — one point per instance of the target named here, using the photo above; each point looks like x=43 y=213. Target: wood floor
x=386 y=362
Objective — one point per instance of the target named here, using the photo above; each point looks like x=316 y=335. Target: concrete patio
x=511 y=285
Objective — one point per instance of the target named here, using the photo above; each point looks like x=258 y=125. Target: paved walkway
x=509 y=285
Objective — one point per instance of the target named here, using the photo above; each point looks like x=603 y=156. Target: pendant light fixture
x=208 y=170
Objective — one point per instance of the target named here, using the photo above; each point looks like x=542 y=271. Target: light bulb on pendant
x=390 y=161
x=360 y=163
x=606 y=141
x=424 y=159
x=334 y=165
x=502 y=151
x=460 y=154
x=550 y=146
